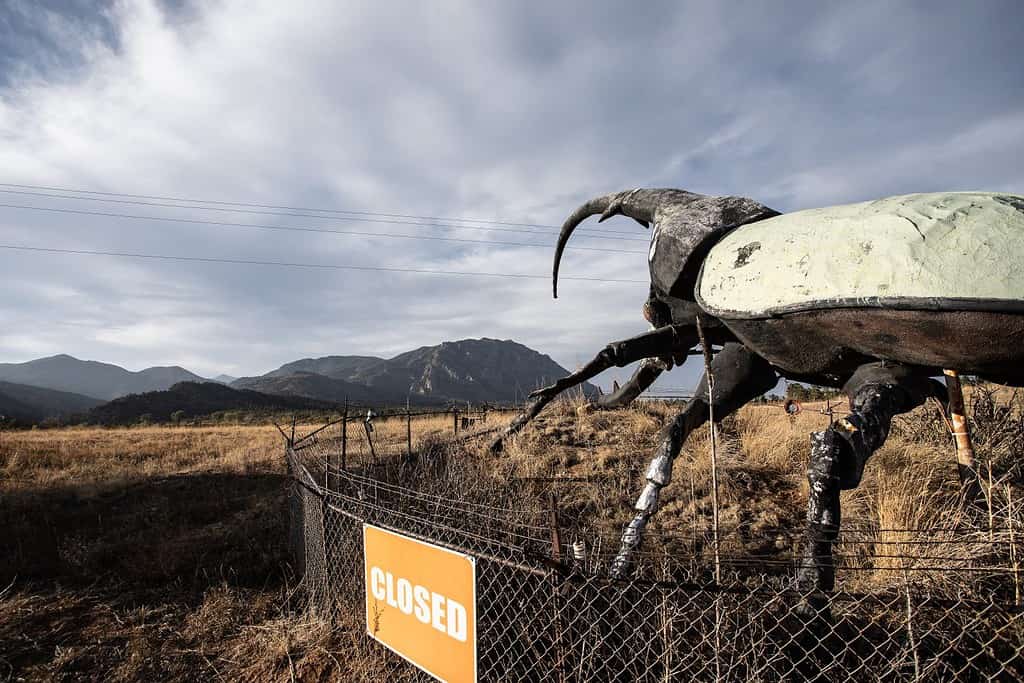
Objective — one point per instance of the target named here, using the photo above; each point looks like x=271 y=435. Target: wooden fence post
x=455 y=420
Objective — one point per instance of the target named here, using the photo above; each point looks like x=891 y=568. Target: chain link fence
x=914 y=604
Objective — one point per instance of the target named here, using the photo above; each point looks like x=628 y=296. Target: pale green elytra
x=936 y=246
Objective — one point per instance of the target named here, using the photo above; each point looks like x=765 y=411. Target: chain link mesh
x=914 y=605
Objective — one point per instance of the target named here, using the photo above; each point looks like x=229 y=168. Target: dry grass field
x=160 y=553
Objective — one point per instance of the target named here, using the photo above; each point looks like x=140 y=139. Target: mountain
x=474 y=370
x=92 y=378
x=194 y=399
x=224 y=379
x=32 y=404
x=338 y=367
x=309 y=384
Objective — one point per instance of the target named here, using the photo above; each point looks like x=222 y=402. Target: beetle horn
x=631 y=203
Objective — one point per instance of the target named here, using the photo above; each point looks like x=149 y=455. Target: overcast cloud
x=507 y=111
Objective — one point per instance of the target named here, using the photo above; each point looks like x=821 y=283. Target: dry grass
x=159 y=552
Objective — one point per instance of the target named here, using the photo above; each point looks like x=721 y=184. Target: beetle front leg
x=663 y=341
x=649 y=371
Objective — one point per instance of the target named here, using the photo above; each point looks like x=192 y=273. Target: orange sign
x=421 y=603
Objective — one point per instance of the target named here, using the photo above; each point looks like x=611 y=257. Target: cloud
x=509 y=112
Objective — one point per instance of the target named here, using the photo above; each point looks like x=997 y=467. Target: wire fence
x=912 y=605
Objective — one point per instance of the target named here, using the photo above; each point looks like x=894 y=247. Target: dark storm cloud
x=511 y=111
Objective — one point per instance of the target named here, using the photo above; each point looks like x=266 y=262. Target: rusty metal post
x=368 y=429
x=344 y=439
x=970 y=484
x=556 y=533
x=408 y=431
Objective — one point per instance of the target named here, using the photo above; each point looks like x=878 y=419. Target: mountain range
x=91 y=378
x=474 y=370
x=470 y=370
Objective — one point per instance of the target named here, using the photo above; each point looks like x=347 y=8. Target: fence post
x=1014 y=560
x=455 y=420
x=556 y=533
x=344 y=439
x=368 y=428
x=556 y=555
x=408 y=431
x=911 y=641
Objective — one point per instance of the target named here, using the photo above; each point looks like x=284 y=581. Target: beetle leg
x=648 y=371
x=662 y=341
x=877 y=392
x=740 y=376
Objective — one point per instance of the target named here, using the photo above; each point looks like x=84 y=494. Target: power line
x=259 y=226
x=287 y=264
x=356 y=215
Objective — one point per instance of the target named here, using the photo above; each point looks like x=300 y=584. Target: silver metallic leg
x=740 y=376
x=659 y=474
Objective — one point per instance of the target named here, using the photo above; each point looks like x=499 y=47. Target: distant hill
x=309 y=384
x=195 y=399
x=91 y=378
x=224 y=379
x=474 y=370
x=30 y=404
x=338 y=367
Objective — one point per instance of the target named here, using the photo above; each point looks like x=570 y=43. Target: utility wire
x=363 y=216
x=259 y=226
x=325 y=266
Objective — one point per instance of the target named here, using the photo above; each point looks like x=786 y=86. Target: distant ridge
x=194 y=399
x=473 y=370
x=469 y=370
x=29 y=404
x=92 y=378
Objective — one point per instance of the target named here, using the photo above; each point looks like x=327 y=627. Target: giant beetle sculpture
x=877 y=298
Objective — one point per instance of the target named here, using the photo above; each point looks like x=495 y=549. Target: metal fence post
x=408 y=431
x=368 y=428
x=344 y=439
x=556 y=555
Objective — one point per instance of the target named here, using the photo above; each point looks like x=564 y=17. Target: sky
x=493 y=111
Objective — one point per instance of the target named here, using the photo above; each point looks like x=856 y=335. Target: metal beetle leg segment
x=740 y=376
